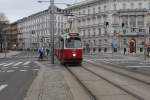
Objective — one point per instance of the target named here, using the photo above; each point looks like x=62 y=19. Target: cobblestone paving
x=49 y=85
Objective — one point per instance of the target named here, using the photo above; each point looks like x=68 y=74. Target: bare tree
x=3 y=23
x=3 y=18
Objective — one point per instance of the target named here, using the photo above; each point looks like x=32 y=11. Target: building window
x=84 y=43
x=83 y=32
x=99 y=49
x=140 y=21
x=105 y=7
x=89 y=11
x=105 y=40
x=133 y=21
x=132 y=5
x=89 y=32
x=140 y=5
x=99 y=9
x=141 y=49
x=83 y=11
x=100 y=42
x=94 y=32
x=94 y=49
x=124 y=6
x=89 y=41
x=115 y=6
x=99 y=31
x=105 y=49
x=125 y=41
x=94 y=42
x=94 y=11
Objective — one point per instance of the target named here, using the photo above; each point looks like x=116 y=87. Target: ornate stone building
x=111 y=25
x=34 y=29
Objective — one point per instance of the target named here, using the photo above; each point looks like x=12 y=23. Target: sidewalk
x=8 y=54
x=49 y=84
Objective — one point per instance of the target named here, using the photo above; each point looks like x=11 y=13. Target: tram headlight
x=74 y=55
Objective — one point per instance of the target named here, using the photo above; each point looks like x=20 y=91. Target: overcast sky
x=17 y=9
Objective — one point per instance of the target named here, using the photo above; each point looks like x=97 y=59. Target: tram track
x=91 y=95
x=144 y=78
x=125 y=68
x=103 y=78
x=128 y=90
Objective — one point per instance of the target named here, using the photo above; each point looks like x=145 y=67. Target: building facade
x=34 y=29
x=111 y=25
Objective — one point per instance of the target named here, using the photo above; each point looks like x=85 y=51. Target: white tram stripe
x=17 y=64
x=26 y=63
x=3 y=86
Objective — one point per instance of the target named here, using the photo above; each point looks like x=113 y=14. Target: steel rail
x=126 y=75
x=116 y=85
x=92 y=96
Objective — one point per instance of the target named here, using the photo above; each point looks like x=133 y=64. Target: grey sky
x=16 y=9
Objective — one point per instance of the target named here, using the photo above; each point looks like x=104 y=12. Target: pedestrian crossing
x=22 y=66
x=15 y=63
x=24 y=56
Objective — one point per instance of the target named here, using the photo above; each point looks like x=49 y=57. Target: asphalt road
x=16 y=75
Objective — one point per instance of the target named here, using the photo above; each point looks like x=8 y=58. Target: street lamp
x=51 y=26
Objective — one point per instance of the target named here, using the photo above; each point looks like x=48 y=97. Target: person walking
x=41 y=54
x=124 y=51
x=47 y=52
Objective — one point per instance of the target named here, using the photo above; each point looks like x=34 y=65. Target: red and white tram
x=68 y=49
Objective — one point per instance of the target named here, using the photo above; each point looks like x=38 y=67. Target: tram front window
x=73 y=43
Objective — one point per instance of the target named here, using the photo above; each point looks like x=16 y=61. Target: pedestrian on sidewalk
x=124 y=51
x=41 y=53
x=47 y=51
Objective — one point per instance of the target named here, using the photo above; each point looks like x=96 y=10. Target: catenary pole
x=51 y=29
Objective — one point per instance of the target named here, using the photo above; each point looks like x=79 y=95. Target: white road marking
x=9 y=64
x=17 y=64
x=138 y=66
x=15 y=67
x=25 y=66
x=88 y=60
x=26 y=63
x=2 y=64
x=35 y=69
x=36 y=66
x=9 y=71
x=3 y=86
x=23 y=70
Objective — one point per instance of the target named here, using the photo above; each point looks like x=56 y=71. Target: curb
x=35 y=90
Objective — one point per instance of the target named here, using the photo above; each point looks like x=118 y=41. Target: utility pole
x=5 y=43
x=51 y=29
x=145 y=46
